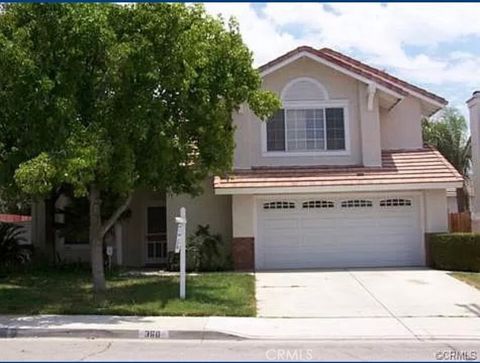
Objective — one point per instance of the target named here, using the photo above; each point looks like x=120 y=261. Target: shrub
x=203 y=249
x=455 y=251
x=205 y=252
x=13 y=251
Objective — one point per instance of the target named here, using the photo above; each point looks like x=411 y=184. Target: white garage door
x=323 y=232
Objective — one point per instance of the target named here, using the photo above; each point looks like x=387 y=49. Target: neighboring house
x=338 y=178
x=20 y=220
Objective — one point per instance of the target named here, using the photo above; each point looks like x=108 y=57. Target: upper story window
x=308 y=122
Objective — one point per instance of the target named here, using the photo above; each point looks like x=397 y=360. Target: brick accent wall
x=243 y=250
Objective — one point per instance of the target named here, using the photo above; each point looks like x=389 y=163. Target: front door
x=156 y=236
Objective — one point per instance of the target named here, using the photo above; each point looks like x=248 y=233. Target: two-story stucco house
x=338 y=178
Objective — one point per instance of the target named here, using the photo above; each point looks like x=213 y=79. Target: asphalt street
x=62 y=349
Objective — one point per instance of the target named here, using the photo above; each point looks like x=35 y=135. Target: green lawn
x=69 y=292
x=471 y=278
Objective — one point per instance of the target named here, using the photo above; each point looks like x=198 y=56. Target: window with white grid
x=308 y=121
x=307 y=129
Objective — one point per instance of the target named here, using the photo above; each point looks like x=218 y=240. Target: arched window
x=304 y=90
x=308 y=121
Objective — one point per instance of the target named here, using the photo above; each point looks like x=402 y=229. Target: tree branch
x=118 y=212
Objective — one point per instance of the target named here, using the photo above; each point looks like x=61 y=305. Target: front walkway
x=365 y=293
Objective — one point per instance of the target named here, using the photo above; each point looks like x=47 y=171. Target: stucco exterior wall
x=436 y=211
x=401 y=127
x=69 y=253
x=339 y=87
x=134 y=227
x=369 y=129
x=208 y=208
x=244 y=215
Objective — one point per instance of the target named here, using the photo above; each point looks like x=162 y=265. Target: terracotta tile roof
x=419 y=166
x=384 y=75
x=395 y=84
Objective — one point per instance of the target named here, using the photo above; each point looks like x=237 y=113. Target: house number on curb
x=180 y=247
x=153 y=334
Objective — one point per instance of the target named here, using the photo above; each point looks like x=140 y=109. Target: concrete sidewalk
x=380 y=328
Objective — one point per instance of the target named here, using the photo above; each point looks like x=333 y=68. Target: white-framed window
x=279 y=205
x=395 y=202
x=318 y=204
x=308 y=122
x=357 y=203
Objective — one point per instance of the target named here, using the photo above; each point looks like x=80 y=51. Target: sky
x=433 y=45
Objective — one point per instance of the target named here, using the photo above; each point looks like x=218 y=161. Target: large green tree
x=449 y=134
x=107 y=98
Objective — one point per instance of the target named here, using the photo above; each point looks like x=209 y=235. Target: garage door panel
x=339 y=237
x=319 y=223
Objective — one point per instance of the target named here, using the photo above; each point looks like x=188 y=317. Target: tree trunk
x=50 y=250
x=461 y=199
x=96 y=234
x=96 y=240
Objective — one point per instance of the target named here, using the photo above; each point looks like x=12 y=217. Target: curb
x=116 y=334
x=11 y=333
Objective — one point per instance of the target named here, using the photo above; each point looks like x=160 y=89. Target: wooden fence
x=459 y=222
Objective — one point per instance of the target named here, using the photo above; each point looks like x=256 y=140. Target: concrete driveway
x=362 y=293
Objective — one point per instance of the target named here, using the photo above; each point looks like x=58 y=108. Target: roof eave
x=304 y=51
x=336 y=189
x=266 y=70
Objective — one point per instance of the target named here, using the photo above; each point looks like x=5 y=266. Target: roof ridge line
x=380 y=72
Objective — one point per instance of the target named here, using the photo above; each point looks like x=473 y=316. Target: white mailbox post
x=180 y=248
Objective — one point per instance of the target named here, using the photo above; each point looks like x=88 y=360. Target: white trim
x=425 y=98
x=372 y=89
x=308 y=79
x=333 y=195
x=302 y=105
x=326 y=153
x=330 y=64
x=423 y=223
x=333 y=189
x=319 y=104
